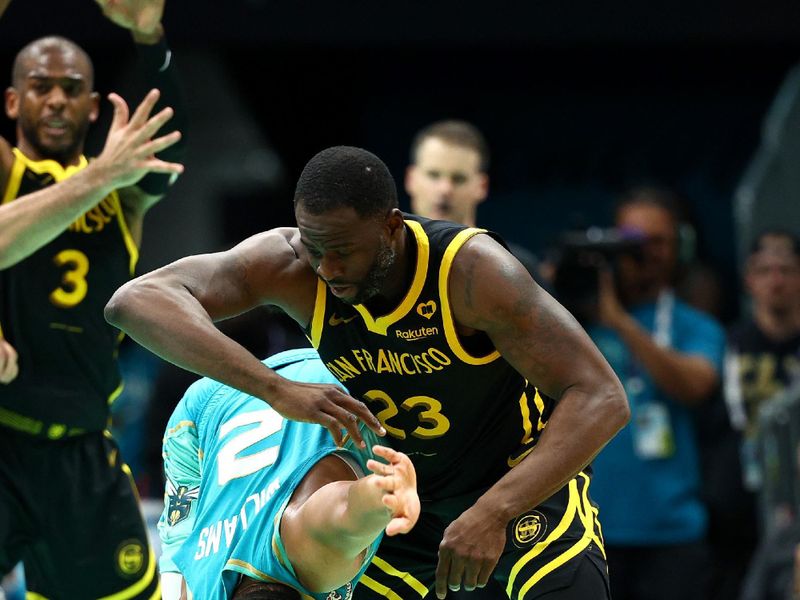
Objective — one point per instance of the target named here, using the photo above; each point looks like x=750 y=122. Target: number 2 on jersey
x=231 y=464
x=73 y=286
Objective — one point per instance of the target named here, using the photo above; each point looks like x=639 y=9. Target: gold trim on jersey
x=447 y=316
x=59 y=173
x=48 y=166
x=578 y=506
x=22 y=162
x=117 y=391
x=406 y=577
x=130 y=244
x=382 y=324
x=318 y=318
x=378 y=588
x=243 y=567
x=34 y=596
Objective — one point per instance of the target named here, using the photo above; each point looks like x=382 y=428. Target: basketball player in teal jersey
x=480 y=377
x=69 y=234
x=253 y=497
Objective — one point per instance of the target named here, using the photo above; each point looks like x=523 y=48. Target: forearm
x=168 y=320
x=32 y=221
x=581 y=424
x=156 y=69
x=355 y=515
x=687 y=379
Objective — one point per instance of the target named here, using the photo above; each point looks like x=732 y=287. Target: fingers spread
x=121 y=111
x=142 y=112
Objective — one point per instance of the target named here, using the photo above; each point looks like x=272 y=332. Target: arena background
x=577 y=101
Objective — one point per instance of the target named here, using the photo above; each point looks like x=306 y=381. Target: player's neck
x=35 y=154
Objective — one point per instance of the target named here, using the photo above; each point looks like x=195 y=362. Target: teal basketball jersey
x=232 y=464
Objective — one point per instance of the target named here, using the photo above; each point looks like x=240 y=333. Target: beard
x=64 y=152
x=373 y=281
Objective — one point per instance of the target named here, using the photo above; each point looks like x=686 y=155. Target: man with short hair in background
x=449 y=177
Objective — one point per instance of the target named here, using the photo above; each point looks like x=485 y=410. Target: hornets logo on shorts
x=348 y=593
x=180 y=502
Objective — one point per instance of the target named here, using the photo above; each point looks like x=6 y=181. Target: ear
x=394 y=222
x=411 y=173
x=12 y=103
x=94 y=112
x=483 y=186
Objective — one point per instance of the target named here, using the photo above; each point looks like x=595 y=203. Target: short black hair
x=654 y=195
x=250 y=589
x=345 y=176
x=48 y=44
x=759 y=242
x=457 y=133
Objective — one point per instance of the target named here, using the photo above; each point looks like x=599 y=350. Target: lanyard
x=662 y=336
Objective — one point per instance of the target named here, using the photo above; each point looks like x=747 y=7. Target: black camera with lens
x=580 y=256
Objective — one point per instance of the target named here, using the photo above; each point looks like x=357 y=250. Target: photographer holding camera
x=668 y=356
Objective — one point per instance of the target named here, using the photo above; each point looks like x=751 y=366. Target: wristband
x=155 y=57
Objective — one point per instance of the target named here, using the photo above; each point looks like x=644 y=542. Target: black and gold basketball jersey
x=51 y=311
x=455 y=406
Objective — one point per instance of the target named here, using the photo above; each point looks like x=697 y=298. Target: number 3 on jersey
x=73 y=286
x=435 y=423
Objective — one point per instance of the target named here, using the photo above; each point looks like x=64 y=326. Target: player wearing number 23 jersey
x=463 y=415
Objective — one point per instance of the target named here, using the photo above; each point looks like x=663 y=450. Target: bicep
x=258 y=271
x=492 y=292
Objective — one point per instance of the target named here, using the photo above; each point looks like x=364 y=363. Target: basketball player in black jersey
x=486 y=382
x=69 y=234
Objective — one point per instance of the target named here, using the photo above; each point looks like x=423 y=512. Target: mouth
x=341 y=291
x=55 y=127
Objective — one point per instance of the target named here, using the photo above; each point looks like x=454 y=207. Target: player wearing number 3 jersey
x=254 y=497
x=488 y=384
x=69 y=234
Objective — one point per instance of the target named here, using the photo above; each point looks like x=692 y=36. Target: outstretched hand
x=141 y=17
x=398 y=480
x=8 y=362
x=129 y=152
x=327 y=405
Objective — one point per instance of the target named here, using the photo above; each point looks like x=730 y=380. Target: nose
x=57 y=96
x=329 y=268
x=445 y=186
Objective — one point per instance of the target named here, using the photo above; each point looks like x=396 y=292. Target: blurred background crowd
x=642 y=161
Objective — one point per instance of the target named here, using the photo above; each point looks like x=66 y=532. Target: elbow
x=122 y=306
x=115 y=309
x=617 y=411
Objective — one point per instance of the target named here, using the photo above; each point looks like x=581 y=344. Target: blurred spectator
x=668 y=356
x=763 y=355
x=449 y=177
x=762 y=360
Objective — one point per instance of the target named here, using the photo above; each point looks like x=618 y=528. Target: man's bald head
x=33 y=54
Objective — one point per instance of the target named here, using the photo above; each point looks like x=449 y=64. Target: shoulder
x=487 y=283
x=277 y=252
x=274 y=267
x=6 y=161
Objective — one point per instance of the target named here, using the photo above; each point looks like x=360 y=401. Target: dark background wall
x=577 y=99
